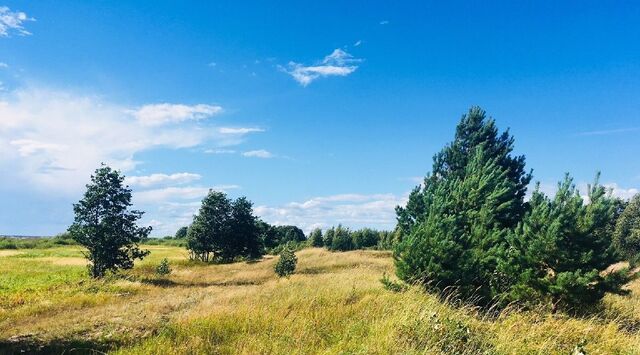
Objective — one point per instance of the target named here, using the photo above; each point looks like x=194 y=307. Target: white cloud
x=239 y=130
x=358 y=43
x=352 y=210
x=161 y=179
x=384 y=22
x=338 y=63
x=261 y=153
x=622 y=192
x=160 y=114
x=168 y=194
x=11 y=21
x=53 y=140
x=4 y=65
x=220 y=151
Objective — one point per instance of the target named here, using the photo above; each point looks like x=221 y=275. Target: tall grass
x=334 y=303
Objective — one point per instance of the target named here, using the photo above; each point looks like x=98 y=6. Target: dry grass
x=333 y=304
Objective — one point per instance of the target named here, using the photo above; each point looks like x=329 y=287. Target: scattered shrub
x=163 y=268
x=286 y=265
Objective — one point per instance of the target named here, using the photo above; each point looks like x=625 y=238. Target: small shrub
x=391 y=285
x=163 y=268
x=286 y=265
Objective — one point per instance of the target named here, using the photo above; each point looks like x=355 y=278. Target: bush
x=163 y=268
x=286 y=265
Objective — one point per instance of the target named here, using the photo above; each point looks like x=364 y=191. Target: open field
x=334 y=303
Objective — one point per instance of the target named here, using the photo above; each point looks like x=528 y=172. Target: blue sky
x=320 y=113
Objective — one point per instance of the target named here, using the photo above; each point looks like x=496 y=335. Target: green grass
x=334 y=303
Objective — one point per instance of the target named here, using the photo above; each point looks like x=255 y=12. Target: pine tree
x=455 y=226
x=106 y=226
x=286 y=264
x=560 y=251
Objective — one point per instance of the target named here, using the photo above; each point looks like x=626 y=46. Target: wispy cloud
x=384 y=22
x=220 y=151
x=353 y=210
x=162 y=179
x=338 y=63
x=358 y=43
x=171 y=193
x=4 y=65
x=159 y=114
x=239 y=130
x=261 y=153
x=609 y=131
x=12 y=21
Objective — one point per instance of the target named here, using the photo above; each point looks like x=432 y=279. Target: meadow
x=334 y=303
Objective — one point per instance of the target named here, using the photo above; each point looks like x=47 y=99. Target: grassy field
x=335 y=303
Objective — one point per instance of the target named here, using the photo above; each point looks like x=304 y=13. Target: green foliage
x=224 y=230
x=342 y=240
x=36 y=243
x=163 y=269
x=275 y=237
x=182 y=233
x=286 y=264
x=627 y=232
x=316 y=238
x=561 y=249
x=328 y=237
x=106 y=226
x=365 y=238
x=468 y=230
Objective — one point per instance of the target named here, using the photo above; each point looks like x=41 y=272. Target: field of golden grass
x=334 y=303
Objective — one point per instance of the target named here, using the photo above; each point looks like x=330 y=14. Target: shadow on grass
x=32 y=345
x=165 y=283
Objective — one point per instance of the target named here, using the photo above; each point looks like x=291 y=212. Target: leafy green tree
x=182 y=233
x=105 y=225
x=286 y=264
x=210 y=233
x=342 y=240
x=245 y=240
x=627 y=231
x=316 y=238
x=560 y=251
x=224 y=230
x=455 y=226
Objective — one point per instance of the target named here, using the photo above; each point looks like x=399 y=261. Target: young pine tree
x=286 y=264
x=560 y=251
x=455 y=226
x=105 y=225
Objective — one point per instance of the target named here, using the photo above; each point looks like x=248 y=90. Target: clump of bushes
x=163 y=269
x=36 y=242
x=286 y=264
